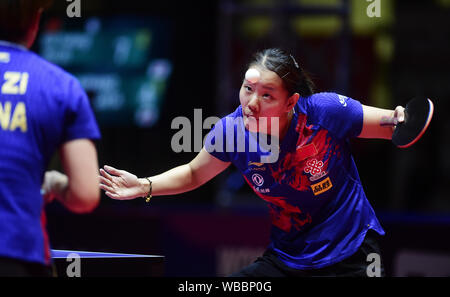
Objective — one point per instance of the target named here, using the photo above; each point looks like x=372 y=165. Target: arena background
x=212 y=231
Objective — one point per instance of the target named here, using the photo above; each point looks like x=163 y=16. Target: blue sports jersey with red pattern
x=41 y=107
x=319 y=211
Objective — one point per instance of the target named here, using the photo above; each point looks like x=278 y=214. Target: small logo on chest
x=257 y=179
x=313 y=167
x=321 y=187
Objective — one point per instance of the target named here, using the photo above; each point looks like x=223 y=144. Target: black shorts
x=354 y=266
x=17 y=268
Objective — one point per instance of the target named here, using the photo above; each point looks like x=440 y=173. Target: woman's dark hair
x=294 y=77
x=17 y=16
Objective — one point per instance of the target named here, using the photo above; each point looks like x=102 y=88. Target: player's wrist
x=145 y=188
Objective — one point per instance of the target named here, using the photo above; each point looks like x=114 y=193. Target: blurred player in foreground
x=43 y=109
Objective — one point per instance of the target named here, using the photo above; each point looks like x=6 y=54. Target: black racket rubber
x=418 y=114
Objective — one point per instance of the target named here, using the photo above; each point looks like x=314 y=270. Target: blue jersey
x=41 y=107
x=319 y=211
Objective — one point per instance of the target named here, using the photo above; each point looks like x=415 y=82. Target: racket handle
x=388 y=121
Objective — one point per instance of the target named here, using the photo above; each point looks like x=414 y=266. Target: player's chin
x=251 y=124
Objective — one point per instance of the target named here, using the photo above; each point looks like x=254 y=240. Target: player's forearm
x=79 y=160
x=174 y=181
x=374 y=123
x=78 y=204
x=73 y=199
x=79 y=198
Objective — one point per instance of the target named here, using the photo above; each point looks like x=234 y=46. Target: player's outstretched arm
x=375 y=122
x=122 y=185
x=78 y=188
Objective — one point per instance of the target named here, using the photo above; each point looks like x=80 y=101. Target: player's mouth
x=251 y=122
x=250 y=115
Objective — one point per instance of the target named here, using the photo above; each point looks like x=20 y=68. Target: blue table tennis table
x=69 y=263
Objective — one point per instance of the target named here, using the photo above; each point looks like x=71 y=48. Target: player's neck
x=32 y=31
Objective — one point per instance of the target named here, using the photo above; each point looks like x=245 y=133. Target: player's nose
x=253 y=104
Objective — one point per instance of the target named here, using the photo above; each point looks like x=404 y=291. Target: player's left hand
x=54 y=186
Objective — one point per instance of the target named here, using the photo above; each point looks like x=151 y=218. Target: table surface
x=56 y=254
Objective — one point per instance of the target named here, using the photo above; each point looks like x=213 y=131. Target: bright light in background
x=123 y=65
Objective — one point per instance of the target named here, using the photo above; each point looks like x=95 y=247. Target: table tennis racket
x=418 y=114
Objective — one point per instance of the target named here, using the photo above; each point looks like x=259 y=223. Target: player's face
x=266 y=98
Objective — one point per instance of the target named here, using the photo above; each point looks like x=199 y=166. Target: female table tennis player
x=322 y=222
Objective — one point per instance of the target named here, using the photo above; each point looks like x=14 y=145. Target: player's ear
x=292 y=101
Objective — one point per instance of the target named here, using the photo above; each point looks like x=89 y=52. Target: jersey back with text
x=41 y=107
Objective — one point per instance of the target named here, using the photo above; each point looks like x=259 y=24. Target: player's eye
x=248 y=89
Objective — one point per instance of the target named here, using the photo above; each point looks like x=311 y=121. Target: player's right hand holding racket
x=122 y=185
x=412 y=123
